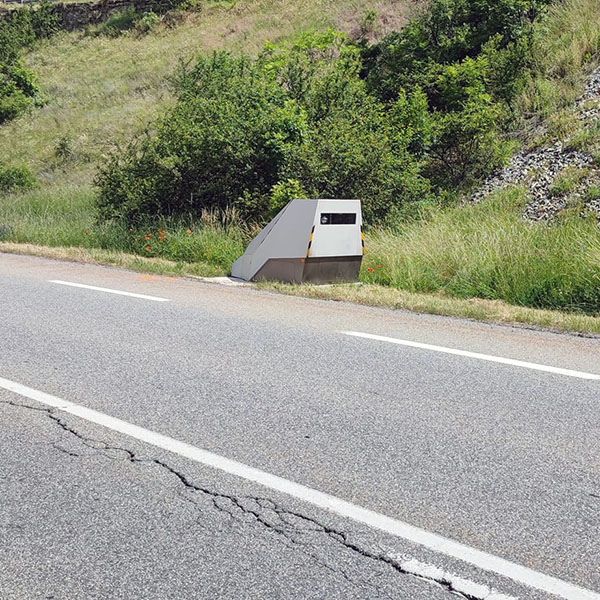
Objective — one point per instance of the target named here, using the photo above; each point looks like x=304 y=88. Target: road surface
x=168 y=438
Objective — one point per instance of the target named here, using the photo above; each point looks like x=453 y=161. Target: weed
x=567 y=181
x=117 y=23
x=64 y=148
x=593 y=193
x=147 y=23
x=368 y=22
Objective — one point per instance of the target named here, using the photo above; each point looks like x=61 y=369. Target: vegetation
x=19 y=89
x=488 y=251
x=419 y=114
x=253 y=134
x=16 y=178
x=188 y=163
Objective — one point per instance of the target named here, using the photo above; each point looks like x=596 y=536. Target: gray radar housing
x=312 y=241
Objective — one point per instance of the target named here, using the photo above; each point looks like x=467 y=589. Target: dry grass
x=97 y=256
x=103 y=90
x=566 y=48
x=493 y=311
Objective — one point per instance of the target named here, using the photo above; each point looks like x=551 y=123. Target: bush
x=249 y=133
x=18 y=91
x=16 y=178
x=147 y=23
x=470 y=57
x=226 y=139
x=117 y=23
x=18 y=86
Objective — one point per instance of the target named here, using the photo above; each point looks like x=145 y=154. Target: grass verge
x=114 y=258
x=491 y=311
x=489 y=251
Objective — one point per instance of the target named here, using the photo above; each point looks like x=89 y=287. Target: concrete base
x=231 y=281
x=336 y=269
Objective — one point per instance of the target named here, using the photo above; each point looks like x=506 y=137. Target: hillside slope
x=102 y=90
x=562 y=170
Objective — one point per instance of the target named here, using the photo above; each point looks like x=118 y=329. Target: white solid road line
x=109 y=291
x=488 y=357
x=483 y=560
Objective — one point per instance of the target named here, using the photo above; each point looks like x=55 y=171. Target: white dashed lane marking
x=109 y=291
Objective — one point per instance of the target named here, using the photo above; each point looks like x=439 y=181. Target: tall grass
x=65 y=216
x=566 y=47
x=488 y=251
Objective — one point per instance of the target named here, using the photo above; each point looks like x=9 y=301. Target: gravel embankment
x=538 y=169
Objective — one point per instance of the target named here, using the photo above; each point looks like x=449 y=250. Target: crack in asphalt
x=285 y=528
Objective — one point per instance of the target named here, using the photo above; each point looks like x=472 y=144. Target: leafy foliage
x=470 y=57
x=420 y=115
x=248 y=133
x=18 y=86
x=16 y=178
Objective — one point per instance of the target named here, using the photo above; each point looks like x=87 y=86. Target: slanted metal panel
x=286 y=236
x=290 y=235
x=279 y=250
x=337 y=240
x=242 y=267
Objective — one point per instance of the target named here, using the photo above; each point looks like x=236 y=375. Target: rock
x=537 y=169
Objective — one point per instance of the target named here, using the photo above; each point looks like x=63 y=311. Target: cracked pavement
x=59 y=547
x=503 y=460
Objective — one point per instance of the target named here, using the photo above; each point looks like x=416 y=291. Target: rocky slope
x=564 y=174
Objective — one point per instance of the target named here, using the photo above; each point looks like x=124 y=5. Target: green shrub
x=228 y=136
x=18 y=91
x=242 y=130
x=147 y=23
x=470 y=57
x=16 y=178
x=117 y=23
x=18 y=86
x=63 y=149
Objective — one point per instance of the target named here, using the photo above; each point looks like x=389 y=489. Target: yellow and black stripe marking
x=362 y=238
x=310 y=241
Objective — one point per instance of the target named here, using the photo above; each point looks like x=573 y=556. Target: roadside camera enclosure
x=309 y=241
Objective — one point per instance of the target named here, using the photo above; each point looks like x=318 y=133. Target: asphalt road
x=501 y=458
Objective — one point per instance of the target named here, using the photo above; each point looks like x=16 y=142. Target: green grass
x=567 y=181
x=64 y=216
x=488 y=251
x=567 y=47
